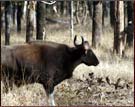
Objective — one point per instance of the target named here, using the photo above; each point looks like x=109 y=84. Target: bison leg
x=49 y=89
x=50 y=98
x=7 y=85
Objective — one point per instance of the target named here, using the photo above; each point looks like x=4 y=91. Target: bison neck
x=76 y=55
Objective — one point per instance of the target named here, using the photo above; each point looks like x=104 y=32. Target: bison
x=46 y=63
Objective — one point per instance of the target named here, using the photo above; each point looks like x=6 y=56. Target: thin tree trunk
x=90 y=8
x=125 y=23
x=85 y=13
x=40 y=19
x=119 y=27
x=72 y=25
x=65 y=8
x=59 y=8
x=14 y=12
x=97 y=24
x=1 y=15
x=62 y=7
x=112 y=15
x=68 y=8
x=77 y=13
x=130 y=13
x=8 y=8
x=0 y=19
x=19 y=15
x=30 y=20
x=104 y=14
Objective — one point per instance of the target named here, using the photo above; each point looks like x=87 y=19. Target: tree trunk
x=97 y=24
x=14 y=11
x=71 y=19
x=19 y=15
x=130 y=13
x=40 y=19
x=85 y=13
x=59 y=8
x=68 y=8
x=90 y=8
x=64 y=7
x=119 y=27
x=112 y=9
x=8 y=8
x=77 y=13
x=0 y=19
x=30 y=20
x=105 y=12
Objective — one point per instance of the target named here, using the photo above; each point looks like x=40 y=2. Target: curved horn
x=82 y=40
x=75 y=40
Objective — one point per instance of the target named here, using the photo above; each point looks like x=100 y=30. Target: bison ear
x=86 y=45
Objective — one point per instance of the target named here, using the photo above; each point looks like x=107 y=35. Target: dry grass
x=77 y=91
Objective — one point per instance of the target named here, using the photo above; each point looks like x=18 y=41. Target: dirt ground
x=93 y=92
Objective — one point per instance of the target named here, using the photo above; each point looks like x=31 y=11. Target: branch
x=50 y=3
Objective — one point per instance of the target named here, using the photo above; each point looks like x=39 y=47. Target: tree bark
x=119 y=27
x=130 y=13
x=19 y=15
x=77 y=13
x=68 y=8
x=90 y=8
x=85 y=13
x=8 y=10
x=112 y=15
x=105 y=12
x=14 y=11
x=71 y=19
x=0 y=19
x=40 y=19
x=30 y=20
x=64 y=7
x=97 y=24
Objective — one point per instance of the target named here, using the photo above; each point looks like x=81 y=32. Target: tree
x=112 y=9
x=8 y=11
x=0 y=18
x=19 y=14
x=105 y=12
x=85 y=13
x=97 y=23
x=71 y=19
x=119 y=27
x=64 y=7
x=30 y=20
x=90 y=8
x=130 y=13
x=40 y=20
x=14 y=11
x=77 y=13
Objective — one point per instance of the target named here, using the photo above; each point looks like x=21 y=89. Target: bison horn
x=75 y=40
x=82 y=40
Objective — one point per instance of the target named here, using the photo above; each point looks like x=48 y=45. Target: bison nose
x=97 y=63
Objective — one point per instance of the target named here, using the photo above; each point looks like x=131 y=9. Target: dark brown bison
x=47 y=63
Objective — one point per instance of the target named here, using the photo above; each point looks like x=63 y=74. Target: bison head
x=88 y=57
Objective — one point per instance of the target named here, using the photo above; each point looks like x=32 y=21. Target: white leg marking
x=51 y=99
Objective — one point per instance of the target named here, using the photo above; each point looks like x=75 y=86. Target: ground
x=109 y=83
